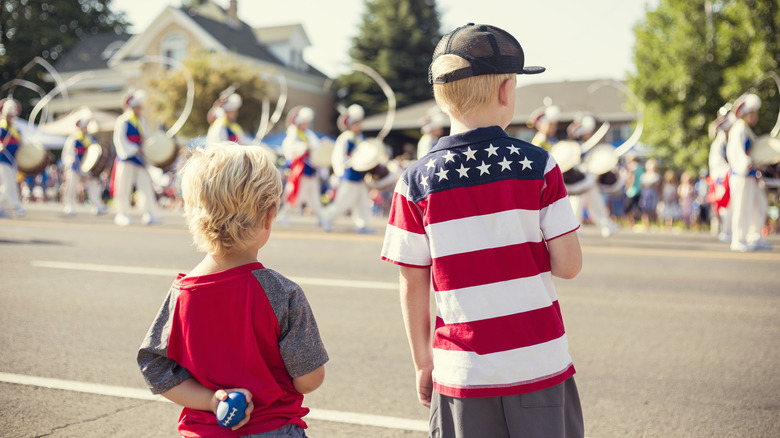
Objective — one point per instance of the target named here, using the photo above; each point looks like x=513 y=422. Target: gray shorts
x=554 y=412
x=288 y=431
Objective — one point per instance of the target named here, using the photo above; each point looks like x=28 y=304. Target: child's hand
x=222 y=394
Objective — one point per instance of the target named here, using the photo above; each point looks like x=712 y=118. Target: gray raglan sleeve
x=160 y=372
x=300 y=343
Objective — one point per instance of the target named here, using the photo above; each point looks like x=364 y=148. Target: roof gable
x=91 y=53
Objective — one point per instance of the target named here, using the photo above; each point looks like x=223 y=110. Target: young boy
x=231 y=324
x=486 y=218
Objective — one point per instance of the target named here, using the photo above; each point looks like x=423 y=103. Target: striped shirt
x=478 y=210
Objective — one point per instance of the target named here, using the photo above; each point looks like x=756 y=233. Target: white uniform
x=352 y=193
x=748 y=202
x=295 y=145
x=131 y=170
x=72 y=155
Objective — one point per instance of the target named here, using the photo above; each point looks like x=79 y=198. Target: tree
x=211 y=75
x=46 y=29
x=691 y=58
x=396 y=39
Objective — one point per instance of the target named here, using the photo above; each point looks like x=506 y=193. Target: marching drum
x=369 y=156
x=766 y=150
x=321 y=155
x=160 y=151
x=383 y=176
x=95 y=160
x=602 y=161
x=31 y=157
x=567 y=154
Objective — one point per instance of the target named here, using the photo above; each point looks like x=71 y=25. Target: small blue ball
x=231 y=411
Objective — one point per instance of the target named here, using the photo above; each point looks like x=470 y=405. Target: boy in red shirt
x=231 y=324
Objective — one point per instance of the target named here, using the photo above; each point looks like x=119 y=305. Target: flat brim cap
x=488 y=49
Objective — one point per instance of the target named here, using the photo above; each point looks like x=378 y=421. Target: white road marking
x=144 y=394
x=141 y=270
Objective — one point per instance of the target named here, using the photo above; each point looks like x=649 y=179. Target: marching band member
x=72 y=155
x=545 y=120
x=432 y=129
x=352 y=193
x=130 y=167
x=224 y=126
x=580 y=130
x=10 y=140
x=303 y=183
x=718 y=194
x=748 y=201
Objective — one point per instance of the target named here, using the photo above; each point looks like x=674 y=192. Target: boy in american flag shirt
x=485 y=218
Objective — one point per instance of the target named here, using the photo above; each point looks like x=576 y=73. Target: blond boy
x=486 y=220
x=231 y=324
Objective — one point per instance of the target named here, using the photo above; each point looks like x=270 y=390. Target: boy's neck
x=212 y=264
x=484 y=117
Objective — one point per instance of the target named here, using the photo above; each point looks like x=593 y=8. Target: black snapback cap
x=488 y=49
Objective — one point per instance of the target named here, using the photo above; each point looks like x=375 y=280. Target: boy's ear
x=504 y=91
x=269 y=218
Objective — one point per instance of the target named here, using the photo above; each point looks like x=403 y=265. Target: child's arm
x=565 y=255
x=191 y=394
x=309 y=382
x=416 y=308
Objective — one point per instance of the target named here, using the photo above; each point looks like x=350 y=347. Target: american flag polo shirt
x=477 y=210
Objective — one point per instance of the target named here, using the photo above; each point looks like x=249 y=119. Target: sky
x=573 y=39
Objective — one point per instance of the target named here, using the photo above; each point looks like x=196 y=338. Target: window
x=174 y=46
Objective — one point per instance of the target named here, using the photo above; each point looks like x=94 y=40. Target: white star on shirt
x=430 y=164
x=469 y=154
x=484 y=168
x=492 y=150
x=424 y=181
x=505 y=164
x=526 y=163
x=463 y=171
x=513 y=149
x=449 y=156
x=442 y=174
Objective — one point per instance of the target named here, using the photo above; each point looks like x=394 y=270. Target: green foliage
x=48 y=28
x=690 y=63
x=211 y=74
x=396 y=39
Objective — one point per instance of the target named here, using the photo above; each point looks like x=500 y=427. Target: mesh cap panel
x=488 y=49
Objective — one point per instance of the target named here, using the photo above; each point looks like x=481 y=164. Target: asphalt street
x=672 y=334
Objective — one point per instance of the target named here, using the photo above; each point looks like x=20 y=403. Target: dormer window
x=174 y=45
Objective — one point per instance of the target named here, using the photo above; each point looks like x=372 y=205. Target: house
x=606 y=100
x=110 y=64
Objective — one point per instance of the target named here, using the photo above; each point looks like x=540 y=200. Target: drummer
x=10 y=139
x=130 y=167
x=749 y=202
x=718 y=193
x=72 y=157
x=545 y=120
x=224 y=126
x=303 y=183
x=352 y=193
x=432 y=130
x=580 y=130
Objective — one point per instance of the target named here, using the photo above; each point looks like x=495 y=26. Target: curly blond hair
x=460 y=97
x=229 y=191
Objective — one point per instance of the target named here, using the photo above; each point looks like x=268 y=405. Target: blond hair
x=460 y=97
x=229 y=191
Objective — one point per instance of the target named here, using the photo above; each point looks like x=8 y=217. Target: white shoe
x=97 y=211
x=326 y=225
x=123 y=220
x=4 y=213
x=69 y=212
x=19 y=212
x=741 y=247
x=724 y=237
x=609 y=230
x=149 y=219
